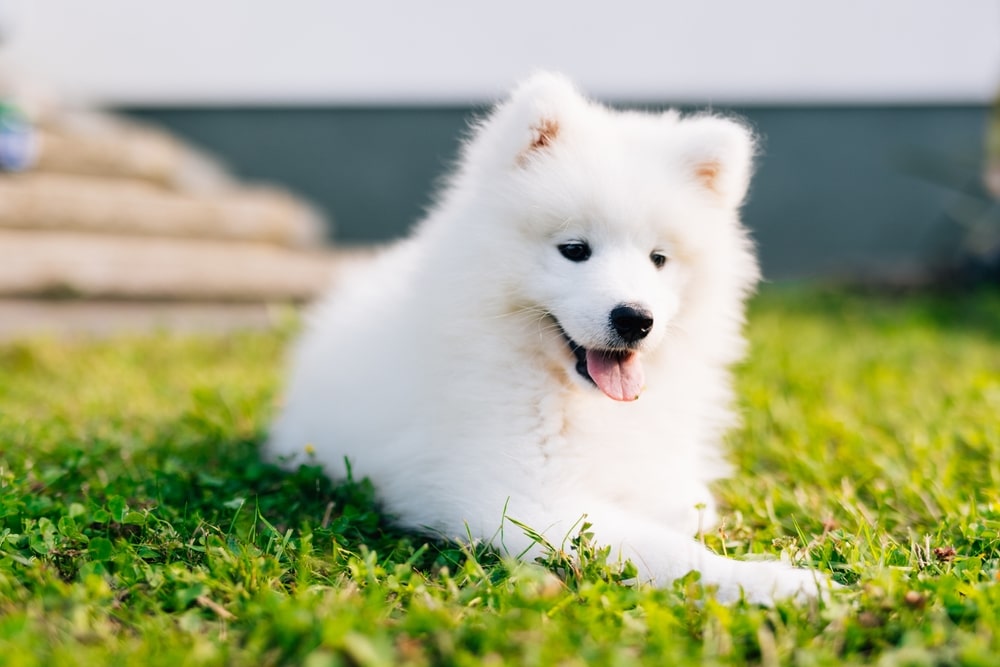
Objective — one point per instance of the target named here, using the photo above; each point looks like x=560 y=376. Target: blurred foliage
x=975 y=258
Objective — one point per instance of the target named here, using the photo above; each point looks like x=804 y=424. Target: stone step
x=155 y=268
x=26 y=318
x=48 y=201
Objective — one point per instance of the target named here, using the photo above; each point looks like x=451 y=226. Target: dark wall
x=837 y=189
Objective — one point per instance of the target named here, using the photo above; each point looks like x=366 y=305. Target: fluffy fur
x=475 y=367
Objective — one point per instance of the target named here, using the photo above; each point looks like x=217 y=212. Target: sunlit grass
x=138 y=526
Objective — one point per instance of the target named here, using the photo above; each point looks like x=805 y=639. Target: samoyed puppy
x=552 y=341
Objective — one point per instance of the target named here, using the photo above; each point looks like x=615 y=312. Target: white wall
x=376 y=51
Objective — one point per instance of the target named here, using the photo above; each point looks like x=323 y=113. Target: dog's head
x=610 y=218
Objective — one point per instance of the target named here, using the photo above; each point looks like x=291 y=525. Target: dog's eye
x=577 y=251
x=659 y=259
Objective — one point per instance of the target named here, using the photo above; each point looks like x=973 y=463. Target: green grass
x=138 y=525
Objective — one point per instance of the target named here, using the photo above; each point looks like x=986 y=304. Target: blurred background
x=221 y=156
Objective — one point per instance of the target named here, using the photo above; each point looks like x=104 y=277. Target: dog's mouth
x=616 y=372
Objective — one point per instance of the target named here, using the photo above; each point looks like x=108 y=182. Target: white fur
x=439 y=372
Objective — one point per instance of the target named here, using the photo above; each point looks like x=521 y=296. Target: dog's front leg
x=663 y=555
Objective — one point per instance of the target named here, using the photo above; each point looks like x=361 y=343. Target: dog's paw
x=765 y=583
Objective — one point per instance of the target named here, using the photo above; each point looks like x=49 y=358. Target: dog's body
x=493 y=362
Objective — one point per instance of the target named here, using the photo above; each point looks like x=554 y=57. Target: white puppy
x=552 y=341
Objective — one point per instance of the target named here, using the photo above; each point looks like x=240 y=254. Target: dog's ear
x=537 y=111
x=718 y=155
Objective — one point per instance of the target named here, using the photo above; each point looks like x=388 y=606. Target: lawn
x=139 y=526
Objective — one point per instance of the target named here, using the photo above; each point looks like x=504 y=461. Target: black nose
x=631 y=323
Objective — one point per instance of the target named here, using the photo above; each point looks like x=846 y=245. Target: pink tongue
x=620 y=376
